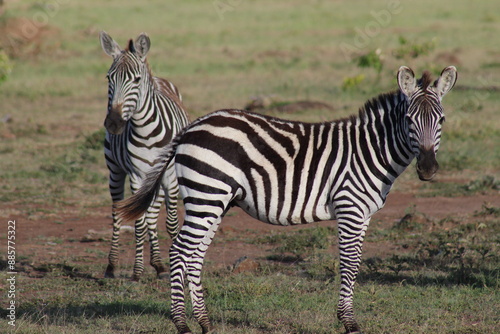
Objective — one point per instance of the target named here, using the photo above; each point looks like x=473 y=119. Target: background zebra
x=144 y=113
x=286 y=173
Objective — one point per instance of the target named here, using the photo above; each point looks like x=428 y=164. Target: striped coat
x=286 y=173
x=144 y=113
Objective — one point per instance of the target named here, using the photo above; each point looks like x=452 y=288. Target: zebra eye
x=441 y=120
x=137 y=79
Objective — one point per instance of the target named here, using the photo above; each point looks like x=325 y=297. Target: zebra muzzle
x=114 y=122
x=427 y=165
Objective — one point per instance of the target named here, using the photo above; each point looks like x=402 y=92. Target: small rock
x=226 y=230
x=245 y=264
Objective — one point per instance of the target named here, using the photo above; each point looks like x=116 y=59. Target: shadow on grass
x=450 y=277
x=75 y=313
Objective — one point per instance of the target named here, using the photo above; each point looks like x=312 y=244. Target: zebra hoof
x=110 y=271
x=108 y=274
x=135 y=278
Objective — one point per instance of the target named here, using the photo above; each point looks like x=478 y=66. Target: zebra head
x=425 y=115
x=125 y=76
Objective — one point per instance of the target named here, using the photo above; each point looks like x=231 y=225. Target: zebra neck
x=146 y=105
x=381 y=125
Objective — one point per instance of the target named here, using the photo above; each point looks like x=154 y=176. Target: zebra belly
x=318 y=214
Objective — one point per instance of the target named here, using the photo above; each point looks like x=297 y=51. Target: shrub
x=372 y=59
x=5 y=66
x=413 y=50
x=352 y=82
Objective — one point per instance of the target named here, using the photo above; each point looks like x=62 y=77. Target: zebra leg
x=151 y=222
x=141 y=229
x=117 y=190
x=351 y=235
x=177 y=286
x=140 y=236
x=195 y=265
x=147 y=224
x=186 y=262
x=172 y=193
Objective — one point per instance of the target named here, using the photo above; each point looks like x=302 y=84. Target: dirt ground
x=80 y=238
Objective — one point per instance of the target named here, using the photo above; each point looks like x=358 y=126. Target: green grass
x=440 y=282
x=51 y=157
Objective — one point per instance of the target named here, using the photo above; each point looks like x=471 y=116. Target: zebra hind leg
x=195 y=265
x=177 y=286
x=186 y=258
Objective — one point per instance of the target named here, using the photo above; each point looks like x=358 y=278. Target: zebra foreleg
x=113 y=253
x=151 y=222
x=171 y=199
x=117 y=190
x=351 y=235
x=140 y=236
x=147 y=224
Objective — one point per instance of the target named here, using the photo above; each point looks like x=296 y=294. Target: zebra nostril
x=114 y=123
x=427 y=165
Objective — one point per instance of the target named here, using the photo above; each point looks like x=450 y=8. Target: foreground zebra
x=144 y=113
x=286 y=173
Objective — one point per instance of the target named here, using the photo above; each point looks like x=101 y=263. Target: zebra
x=286 y=173
x=144 y=113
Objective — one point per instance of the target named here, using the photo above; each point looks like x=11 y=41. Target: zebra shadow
x=378 y=271
x=118 y=314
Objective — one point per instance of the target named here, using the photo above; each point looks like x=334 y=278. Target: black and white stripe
x=144 y=113
x=286 y=173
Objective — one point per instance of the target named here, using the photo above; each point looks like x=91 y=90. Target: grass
x=440 y=282
x=54 y=95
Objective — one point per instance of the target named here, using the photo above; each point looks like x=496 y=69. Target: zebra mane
x=383 y=101
x=426 y=80
x=130 y=49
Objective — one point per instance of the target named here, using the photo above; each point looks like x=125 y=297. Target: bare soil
x=81 y=238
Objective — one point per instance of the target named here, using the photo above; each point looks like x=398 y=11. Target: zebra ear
x=406 y=80
x=446 y=81
x=110 y=47
x=142 y=45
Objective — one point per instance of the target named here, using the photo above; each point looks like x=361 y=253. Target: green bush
x=352 y=82
x=372 y=59
x=5 y=66
x=413 y=50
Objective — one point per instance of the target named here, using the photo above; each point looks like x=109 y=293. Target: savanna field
x=431 y=258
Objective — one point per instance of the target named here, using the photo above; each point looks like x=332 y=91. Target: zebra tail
x=135 y=206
